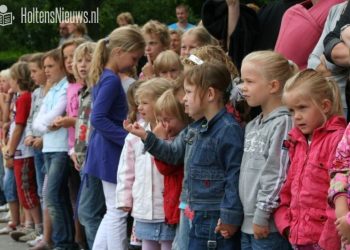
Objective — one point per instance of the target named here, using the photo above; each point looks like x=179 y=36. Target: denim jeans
x=273 y=242
x=182 y=233
x=39 y=171
x=57 y=200
x=91 y=208
x=10 y=189
x=203 y=237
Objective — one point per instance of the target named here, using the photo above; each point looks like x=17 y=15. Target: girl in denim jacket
x=304 y=217
x=211 y=150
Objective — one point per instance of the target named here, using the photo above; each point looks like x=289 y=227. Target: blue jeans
x=182 y=232
x=57 y=200
x=273 y=242
x=203 y=237
x=91 y=208
x=10 y=189
x=39 y=171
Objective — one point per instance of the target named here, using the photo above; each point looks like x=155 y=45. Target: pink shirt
x=301 y=27
x=72 y=108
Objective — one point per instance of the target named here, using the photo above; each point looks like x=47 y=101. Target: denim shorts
x=10 y=189
x=154 y=231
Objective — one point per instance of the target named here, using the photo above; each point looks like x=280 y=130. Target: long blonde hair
x=128 y=38
x=311 y=84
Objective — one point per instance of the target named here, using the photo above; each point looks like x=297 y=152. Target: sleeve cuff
x=261 y=217
x=231 y=217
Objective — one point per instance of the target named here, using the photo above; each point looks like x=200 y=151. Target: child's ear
x=275 y=86
x=326 y=106
x=116 y=51
x=211 y=93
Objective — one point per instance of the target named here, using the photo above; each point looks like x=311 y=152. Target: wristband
x=348 y=218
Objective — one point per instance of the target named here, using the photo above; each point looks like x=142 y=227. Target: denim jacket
x=212 y=153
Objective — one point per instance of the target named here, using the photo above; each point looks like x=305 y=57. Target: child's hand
x=226 y=230
x=58 y=122
x=160 y=131
x=260 y=232
x=135 y=129
x=75 y=161
x=147 y=70
x=28 y=140
x=37 y=143
x=343 y=229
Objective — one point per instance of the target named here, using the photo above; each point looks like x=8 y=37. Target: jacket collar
x=334 y=123
x=205 y=125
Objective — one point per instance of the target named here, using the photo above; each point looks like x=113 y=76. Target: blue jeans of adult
x=39 y=171
x=57 y=200
x=91 y=208
x=203 y=236
x=182 y=232
x=273 y=242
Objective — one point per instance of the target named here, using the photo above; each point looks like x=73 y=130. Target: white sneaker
x=4 y=208
x=5 y=216
x=33 y=243
x=6 y=230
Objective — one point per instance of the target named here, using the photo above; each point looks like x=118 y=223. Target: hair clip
x=195 y=59
x=106 y=40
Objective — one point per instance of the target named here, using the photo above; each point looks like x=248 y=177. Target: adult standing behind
x=77 y=28
x=182 y=11
x=234 y=23
x=64 y=33
x=124 y=18
x=304 y=20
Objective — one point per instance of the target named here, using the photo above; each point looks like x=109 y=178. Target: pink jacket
x=304 y=207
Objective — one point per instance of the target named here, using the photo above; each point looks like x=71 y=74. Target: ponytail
x=99 y=60
x=337 y=107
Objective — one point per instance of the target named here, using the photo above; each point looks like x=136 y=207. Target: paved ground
x=6 y=243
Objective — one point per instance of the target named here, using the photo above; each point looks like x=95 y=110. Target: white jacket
x=139 y=183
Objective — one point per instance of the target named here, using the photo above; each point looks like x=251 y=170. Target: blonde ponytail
x=337 y=107
x=99 y=60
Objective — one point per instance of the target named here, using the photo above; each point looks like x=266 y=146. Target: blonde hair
x=202 y=36
x=166 y=60
x=153 y=88
x=128 y=38
x=211 y=53
x=210 y=74
x=169 y=104
x=21 y=73
x=37 y=59
x=126 y=16
x=272 y=65
x=311 y=84
x=83 y=50
x=131 y=98
x=154 y=27
x=5 y=73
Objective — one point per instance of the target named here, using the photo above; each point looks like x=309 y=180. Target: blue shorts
x=154 y=231
x=10 y=185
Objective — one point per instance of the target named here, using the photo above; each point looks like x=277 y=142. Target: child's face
x=175 y=43
x=146 y=109
x=4 y=84
x=153 y=46
x=126 y=60
x=68 y=53
x=53 y=71
x=37 y=74
x=188 y=43
x=192 y=101
x=171 y=73
x=307 y=116
x=255 y=87
x=171 y=124
x=83 y=66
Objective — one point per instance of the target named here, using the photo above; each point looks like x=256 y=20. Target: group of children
x=174 y=149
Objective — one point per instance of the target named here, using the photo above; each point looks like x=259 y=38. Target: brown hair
x=55 y=54
x=38 y=59
x=76 y=42
x=154 y=27
x=21 y=73
x=131 y=98
x=125 y=16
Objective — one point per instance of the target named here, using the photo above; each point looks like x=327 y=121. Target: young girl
x=116 y=53
x=211 y=149
x=55 y=148
x=175 y=40
x=195 y=38
x=303 y=215
x=140 y=185
x=168 y=65
x=265 y=160
x=21 y=157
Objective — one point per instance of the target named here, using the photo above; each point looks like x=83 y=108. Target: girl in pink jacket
x=304 y=216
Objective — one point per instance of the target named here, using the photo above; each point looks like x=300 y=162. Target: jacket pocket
x=314 y=220
x=207 y=184
x=205 y=153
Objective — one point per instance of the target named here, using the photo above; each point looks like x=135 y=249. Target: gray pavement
x=6 y=243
